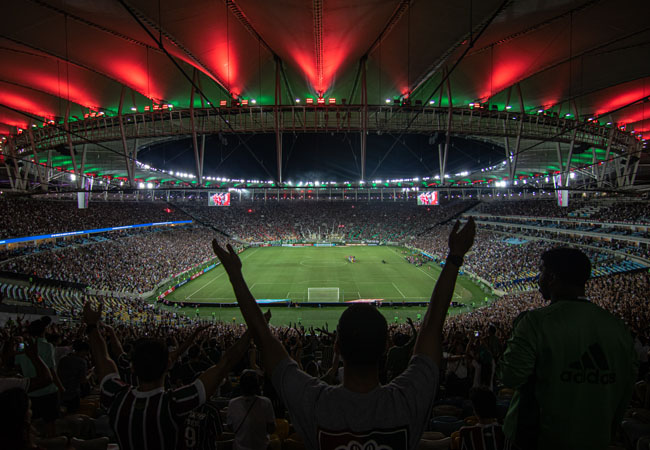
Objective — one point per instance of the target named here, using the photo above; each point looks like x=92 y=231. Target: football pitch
x=272 y=273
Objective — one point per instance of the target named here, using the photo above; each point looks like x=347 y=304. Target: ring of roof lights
x=325 y=119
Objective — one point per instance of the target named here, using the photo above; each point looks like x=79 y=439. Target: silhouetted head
x=37 y=328
x=563 y=270
x=80 y=346
x=249 y=383
x=362 y=334
x=400 y=339
x=150 y=359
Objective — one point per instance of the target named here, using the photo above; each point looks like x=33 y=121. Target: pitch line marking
x=206 y=284
x=400 y=292
x=420 y=269
x=216 y=278
x=234 y=301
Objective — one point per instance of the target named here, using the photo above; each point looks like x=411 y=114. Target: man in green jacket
x=572 y=363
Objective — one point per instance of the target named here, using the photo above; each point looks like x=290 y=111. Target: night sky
x=322 y=156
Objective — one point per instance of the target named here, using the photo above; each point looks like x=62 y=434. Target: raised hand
x=228 y=258
x=461 y=241
x=198 y=330
x=91 y=316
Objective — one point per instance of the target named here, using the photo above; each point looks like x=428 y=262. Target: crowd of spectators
x=531 y=208
x=377 y=221
x=500 y=260
x=625 y=247
x=611 y=211
x=626 y=212
x=29 y=217
x=137 y=263
x=291 y=220
x=473 y=341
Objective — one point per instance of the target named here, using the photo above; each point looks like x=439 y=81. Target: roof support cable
x=197 y=88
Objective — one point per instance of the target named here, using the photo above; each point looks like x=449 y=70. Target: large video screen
x=428 y=198
x=219 y=199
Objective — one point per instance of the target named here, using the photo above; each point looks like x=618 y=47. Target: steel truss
x=622 y=148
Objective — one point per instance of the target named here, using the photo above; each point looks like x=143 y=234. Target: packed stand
x=136 y=263
x=383 y=222
x=624 y=212
x=472 y=342
x=29 y=217
x=506 y=266
x=532 y=208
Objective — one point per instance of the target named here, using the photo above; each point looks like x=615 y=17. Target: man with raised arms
x=360 y=412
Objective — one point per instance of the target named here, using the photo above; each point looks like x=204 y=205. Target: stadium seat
x=225 y=445
x=455 y=440
x=282 y=428
x=57 y=443
x=291 y=444
x=295 y=437
x=471 y=420
x=506 y=392
x=433 y=435
x=92 y=444
x=438 y=444
x=88 y=407
x=78 y=425
x=447 y=410
x=446 y=424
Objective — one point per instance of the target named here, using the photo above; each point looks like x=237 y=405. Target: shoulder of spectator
x=112 y=382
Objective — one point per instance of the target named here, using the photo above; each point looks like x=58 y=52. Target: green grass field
x=286 y=272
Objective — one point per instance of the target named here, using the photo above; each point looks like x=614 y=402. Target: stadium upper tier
x=27 y=217
x=267 y=221
x=381 y=222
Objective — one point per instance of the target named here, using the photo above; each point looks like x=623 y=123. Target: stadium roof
x=66 y=59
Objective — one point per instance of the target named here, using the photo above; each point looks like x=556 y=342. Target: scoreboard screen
x=219 y=199
x=428 y=198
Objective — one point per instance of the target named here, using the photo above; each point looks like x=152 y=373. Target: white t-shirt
x=391 y=416
x=252 y=427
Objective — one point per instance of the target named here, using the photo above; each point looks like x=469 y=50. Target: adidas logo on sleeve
x=591 y=368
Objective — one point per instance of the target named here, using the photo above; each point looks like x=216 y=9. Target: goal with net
x=323 y=294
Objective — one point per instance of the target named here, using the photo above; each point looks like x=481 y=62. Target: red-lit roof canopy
x=584 y=56
x=67 y=59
